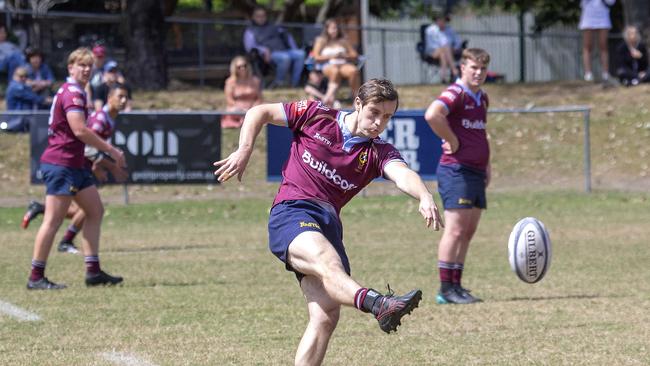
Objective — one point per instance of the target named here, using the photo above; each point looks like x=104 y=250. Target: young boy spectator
x=20 y=96
x=316 y=89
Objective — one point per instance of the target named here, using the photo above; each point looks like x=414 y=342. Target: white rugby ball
x=529 y=250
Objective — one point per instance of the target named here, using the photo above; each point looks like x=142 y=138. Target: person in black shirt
x=632 y=57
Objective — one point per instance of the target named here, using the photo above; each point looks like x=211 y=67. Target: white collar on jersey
x=348 y=140
x=108 y=115
x=468 y=91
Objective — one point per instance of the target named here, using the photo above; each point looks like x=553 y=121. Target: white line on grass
x=16 y=312
x=125 y=359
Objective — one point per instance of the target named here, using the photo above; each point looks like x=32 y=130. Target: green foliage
x=391 y=9
x=546 y=12
x=217 y=5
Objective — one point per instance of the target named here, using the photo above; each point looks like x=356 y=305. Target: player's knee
x=326 y=321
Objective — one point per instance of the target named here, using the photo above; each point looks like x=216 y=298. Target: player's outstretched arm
x=255 y=119
x=410 y=183
x=436 y=116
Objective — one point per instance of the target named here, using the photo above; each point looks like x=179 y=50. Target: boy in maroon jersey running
x=67 y=177
x=334 y=154
x=459 y=117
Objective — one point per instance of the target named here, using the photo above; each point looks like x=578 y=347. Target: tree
x=637 y=12
x=145 y=30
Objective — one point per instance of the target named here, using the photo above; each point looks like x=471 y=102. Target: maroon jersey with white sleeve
x=63 y=147
x=468 y=119
x=326 y=162
x=101 y=123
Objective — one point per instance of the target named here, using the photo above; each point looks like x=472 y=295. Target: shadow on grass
x=178 y=283
x=543 y=298
x=158 y=248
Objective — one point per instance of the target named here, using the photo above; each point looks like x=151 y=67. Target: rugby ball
x=529 y=250
x=93 y=154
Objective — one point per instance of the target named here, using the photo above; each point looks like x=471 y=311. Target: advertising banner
x=160 y=148
x=408 y=131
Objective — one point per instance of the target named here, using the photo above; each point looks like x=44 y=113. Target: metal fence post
x=201 y=55
x=587 y=153
x=383 y=52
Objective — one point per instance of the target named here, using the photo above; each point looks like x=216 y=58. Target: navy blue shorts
x=63 y=181
x=461 y=187
x=293 y=217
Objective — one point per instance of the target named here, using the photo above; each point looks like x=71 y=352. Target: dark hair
x=32 y=51
x=377 y=91
x=115 y=87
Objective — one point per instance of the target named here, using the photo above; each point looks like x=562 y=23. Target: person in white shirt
x=438 y=46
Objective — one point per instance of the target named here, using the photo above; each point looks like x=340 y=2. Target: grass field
x=201 y=287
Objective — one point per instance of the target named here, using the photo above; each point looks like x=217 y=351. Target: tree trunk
x=637 y=12
x=146 y=62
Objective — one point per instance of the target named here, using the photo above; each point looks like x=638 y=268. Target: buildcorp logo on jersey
x=330 y=174
x=158 y=146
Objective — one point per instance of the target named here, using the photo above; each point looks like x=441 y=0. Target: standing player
x=66 y=177
x=103 y=124
x=333 y=155
x=459 y=117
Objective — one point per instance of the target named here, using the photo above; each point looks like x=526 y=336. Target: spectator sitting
x=337 y=58
x=39 y=74
x=632 y=57
x=316 y=89
x=10 y=55
x=438 y=46
x=20 y=96
x=110 y=77
x=455 y=42
x=275 y=45
x=243 y=90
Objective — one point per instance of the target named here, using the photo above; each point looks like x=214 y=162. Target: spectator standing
x=275 y=45
x=20 y=96
x=243 y=90
x=439 y=47
x=632 y=56
x=39 y=75
x=595 y=24
x=336 y=57
x=66 y=177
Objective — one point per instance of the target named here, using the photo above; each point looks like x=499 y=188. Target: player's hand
x=118 y=156
x=99 y=173
x=430 y=212
x=235 y=164
x=450 y=147
x=120 y=174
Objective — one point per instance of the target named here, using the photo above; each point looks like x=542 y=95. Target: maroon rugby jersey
x=468 y=119
x=101 y=123
x=325 y=162
x=63 y=147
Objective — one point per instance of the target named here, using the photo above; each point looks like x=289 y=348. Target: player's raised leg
x=310 y=253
